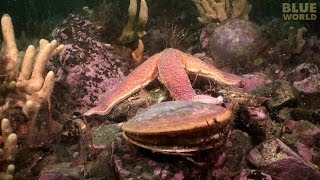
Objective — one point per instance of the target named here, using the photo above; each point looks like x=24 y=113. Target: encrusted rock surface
x=257 y=123
x=280 y=93
x=63 y=171
x=236 y=42
x=87 y=66
x=304 y=137
x=279 y=160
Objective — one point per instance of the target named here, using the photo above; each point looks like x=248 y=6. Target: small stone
x=305 y=152
x=157 y=171
x=164 y=174
x=178 y=176
x=137 y=168
x=76 y=154
x=289 y=126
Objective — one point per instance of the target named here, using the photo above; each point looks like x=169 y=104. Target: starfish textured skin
x=170 y=67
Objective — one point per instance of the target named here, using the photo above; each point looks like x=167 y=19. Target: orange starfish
x=169 y=66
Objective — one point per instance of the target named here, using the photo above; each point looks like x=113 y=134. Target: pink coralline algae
x=87 y=67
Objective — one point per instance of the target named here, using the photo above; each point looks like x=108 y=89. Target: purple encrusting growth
x=87 y=67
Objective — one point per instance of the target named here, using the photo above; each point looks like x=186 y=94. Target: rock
x=302 y=72
x=233 y=158
x=73 y=142
x=277 y=159
x=267 y=153
x=235 y=43
x=284 y=114
x=280 y=93
x=91 y=150
x=311 y=137
x=311 y=115
x=253 y=81
x=257 y=123
x=288 y=169
x=104 y=135
x=305 y=79
x=304 y=137
x=305 y=152
x=63 y=171
x=289 y=126
x=297 y=114
x=300 y=131
x=309 y=89
x=86 y=66
x=103 y=139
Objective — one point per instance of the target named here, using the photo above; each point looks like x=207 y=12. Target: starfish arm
x=195 y=65
x=136 y=80
x=173 y=75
